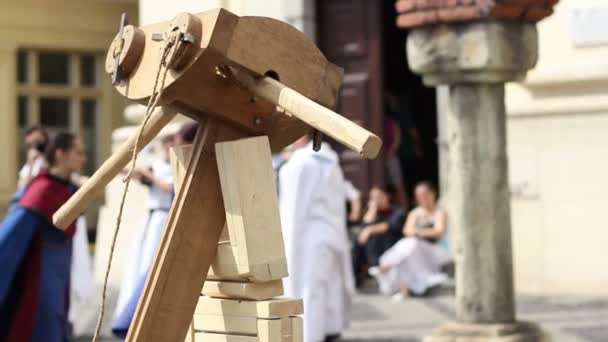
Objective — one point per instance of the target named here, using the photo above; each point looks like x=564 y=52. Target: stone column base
x=461 y=332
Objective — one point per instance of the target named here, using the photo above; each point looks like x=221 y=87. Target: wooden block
x=228 y=263
x=269 y=309
x=248 y=291
x=226 y=324
x=179 y=156
x=252 y=212
x=227 y=267
x=210 y=337
x=187 y=248
x=270 y=330
x=297 y=329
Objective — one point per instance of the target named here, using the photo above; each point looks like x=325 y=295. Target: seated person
x=381 y=228
x=413 y=265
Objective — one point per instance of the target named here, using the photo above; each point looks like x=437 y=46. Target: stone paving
x=379 y=319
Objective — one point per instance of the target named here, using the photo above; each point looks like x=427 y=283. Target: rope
x=170 y=43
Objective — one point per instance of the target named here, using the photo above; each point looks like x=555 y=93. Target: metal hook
x=124 y=21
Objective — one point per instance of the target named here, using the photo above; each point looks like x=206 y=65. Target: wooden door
x=350 y=34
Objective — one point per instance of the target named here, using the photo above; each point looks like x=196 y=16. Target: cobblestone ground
x=379 y=319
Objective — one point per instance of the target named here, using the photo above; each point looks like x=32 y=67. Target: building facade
x=52 y=74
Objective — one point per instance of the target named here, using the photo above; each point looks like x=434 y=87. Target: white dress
x=416 y=264
x=143 y=248
x=313 y=218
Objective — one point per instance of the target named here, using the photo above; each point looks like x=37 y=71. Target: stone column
x=451 y=46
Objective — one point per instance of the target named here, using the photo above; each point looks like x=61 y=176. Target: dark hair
x=429 y=185
x=188 y=132
x=167 y=139
x=388 y=189
x=33 y=129
x=60 y=142
x=41 y=146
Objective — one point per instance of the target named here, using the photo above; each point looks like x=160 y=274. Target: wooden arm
x=92 y=188
x=315 y=115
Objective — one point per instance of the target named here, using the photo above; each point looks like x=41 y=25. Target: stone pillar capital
x=492 y=51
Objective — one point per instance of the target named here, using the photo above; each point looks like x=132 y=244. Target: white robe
x=144 y=246
x=82 y=286
x=416 y=265
x=313 y=217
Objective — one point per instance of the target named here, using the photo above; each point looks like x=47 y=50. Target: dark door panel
x=350 y=34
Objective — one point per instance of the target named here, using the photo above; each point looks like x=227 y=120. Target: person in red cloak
x=35 y=255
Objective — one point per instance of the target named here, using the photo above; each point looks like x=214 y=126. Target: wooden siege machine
x=256 y=85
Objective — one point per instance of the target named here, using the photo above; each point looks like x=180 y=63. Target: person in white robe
x=313 y=218
x=159 y=178
x=413 y=264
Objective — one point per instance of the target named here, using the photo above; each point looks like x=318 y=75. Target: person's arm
x=372 y=229
x=438 y=229
x=409 y=229
x=164 y=186
x=371 y=214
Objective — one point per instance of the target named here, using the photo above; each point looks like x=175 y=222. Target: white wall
x=151 y=11
x=558 y=139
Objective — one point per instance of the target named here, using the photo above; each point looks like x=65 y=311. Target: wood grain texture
x=238 y=290
x=226 y=324
x=227 y=39
x=315 y=115
x=268 y=309
x=210 y=337
x=255 y=264
x=252 y=209
x=188 y=245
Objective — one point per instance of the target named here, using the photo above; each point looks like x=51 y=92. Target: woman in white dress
x=159 y=179
x=413 y=265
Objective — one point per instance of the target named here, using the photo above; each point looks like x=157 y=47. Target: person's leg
x=316 y=294
x=359 y=261
x=373 y=250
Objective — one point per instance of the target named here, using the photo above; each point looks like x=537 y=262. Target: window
x=58 y=90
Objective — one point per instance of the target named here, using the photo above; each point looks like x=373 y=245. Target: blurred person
x=187 y=133
x=392 y=141
x=35 y=255
x=159 y=179
x=353 y=198
x=400 y=107
x=313 y=218
x=36 y=139
x=414 y=264
x=381 y=228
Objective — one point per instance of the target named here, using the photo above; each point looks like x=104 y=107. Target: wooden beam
x=268 y=309
x=210 y=337
x=248 y=291
x=226 y=324
x=188 y=246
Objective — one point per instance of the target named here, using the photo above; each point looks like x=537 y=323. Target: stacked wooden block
x=239 y=301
